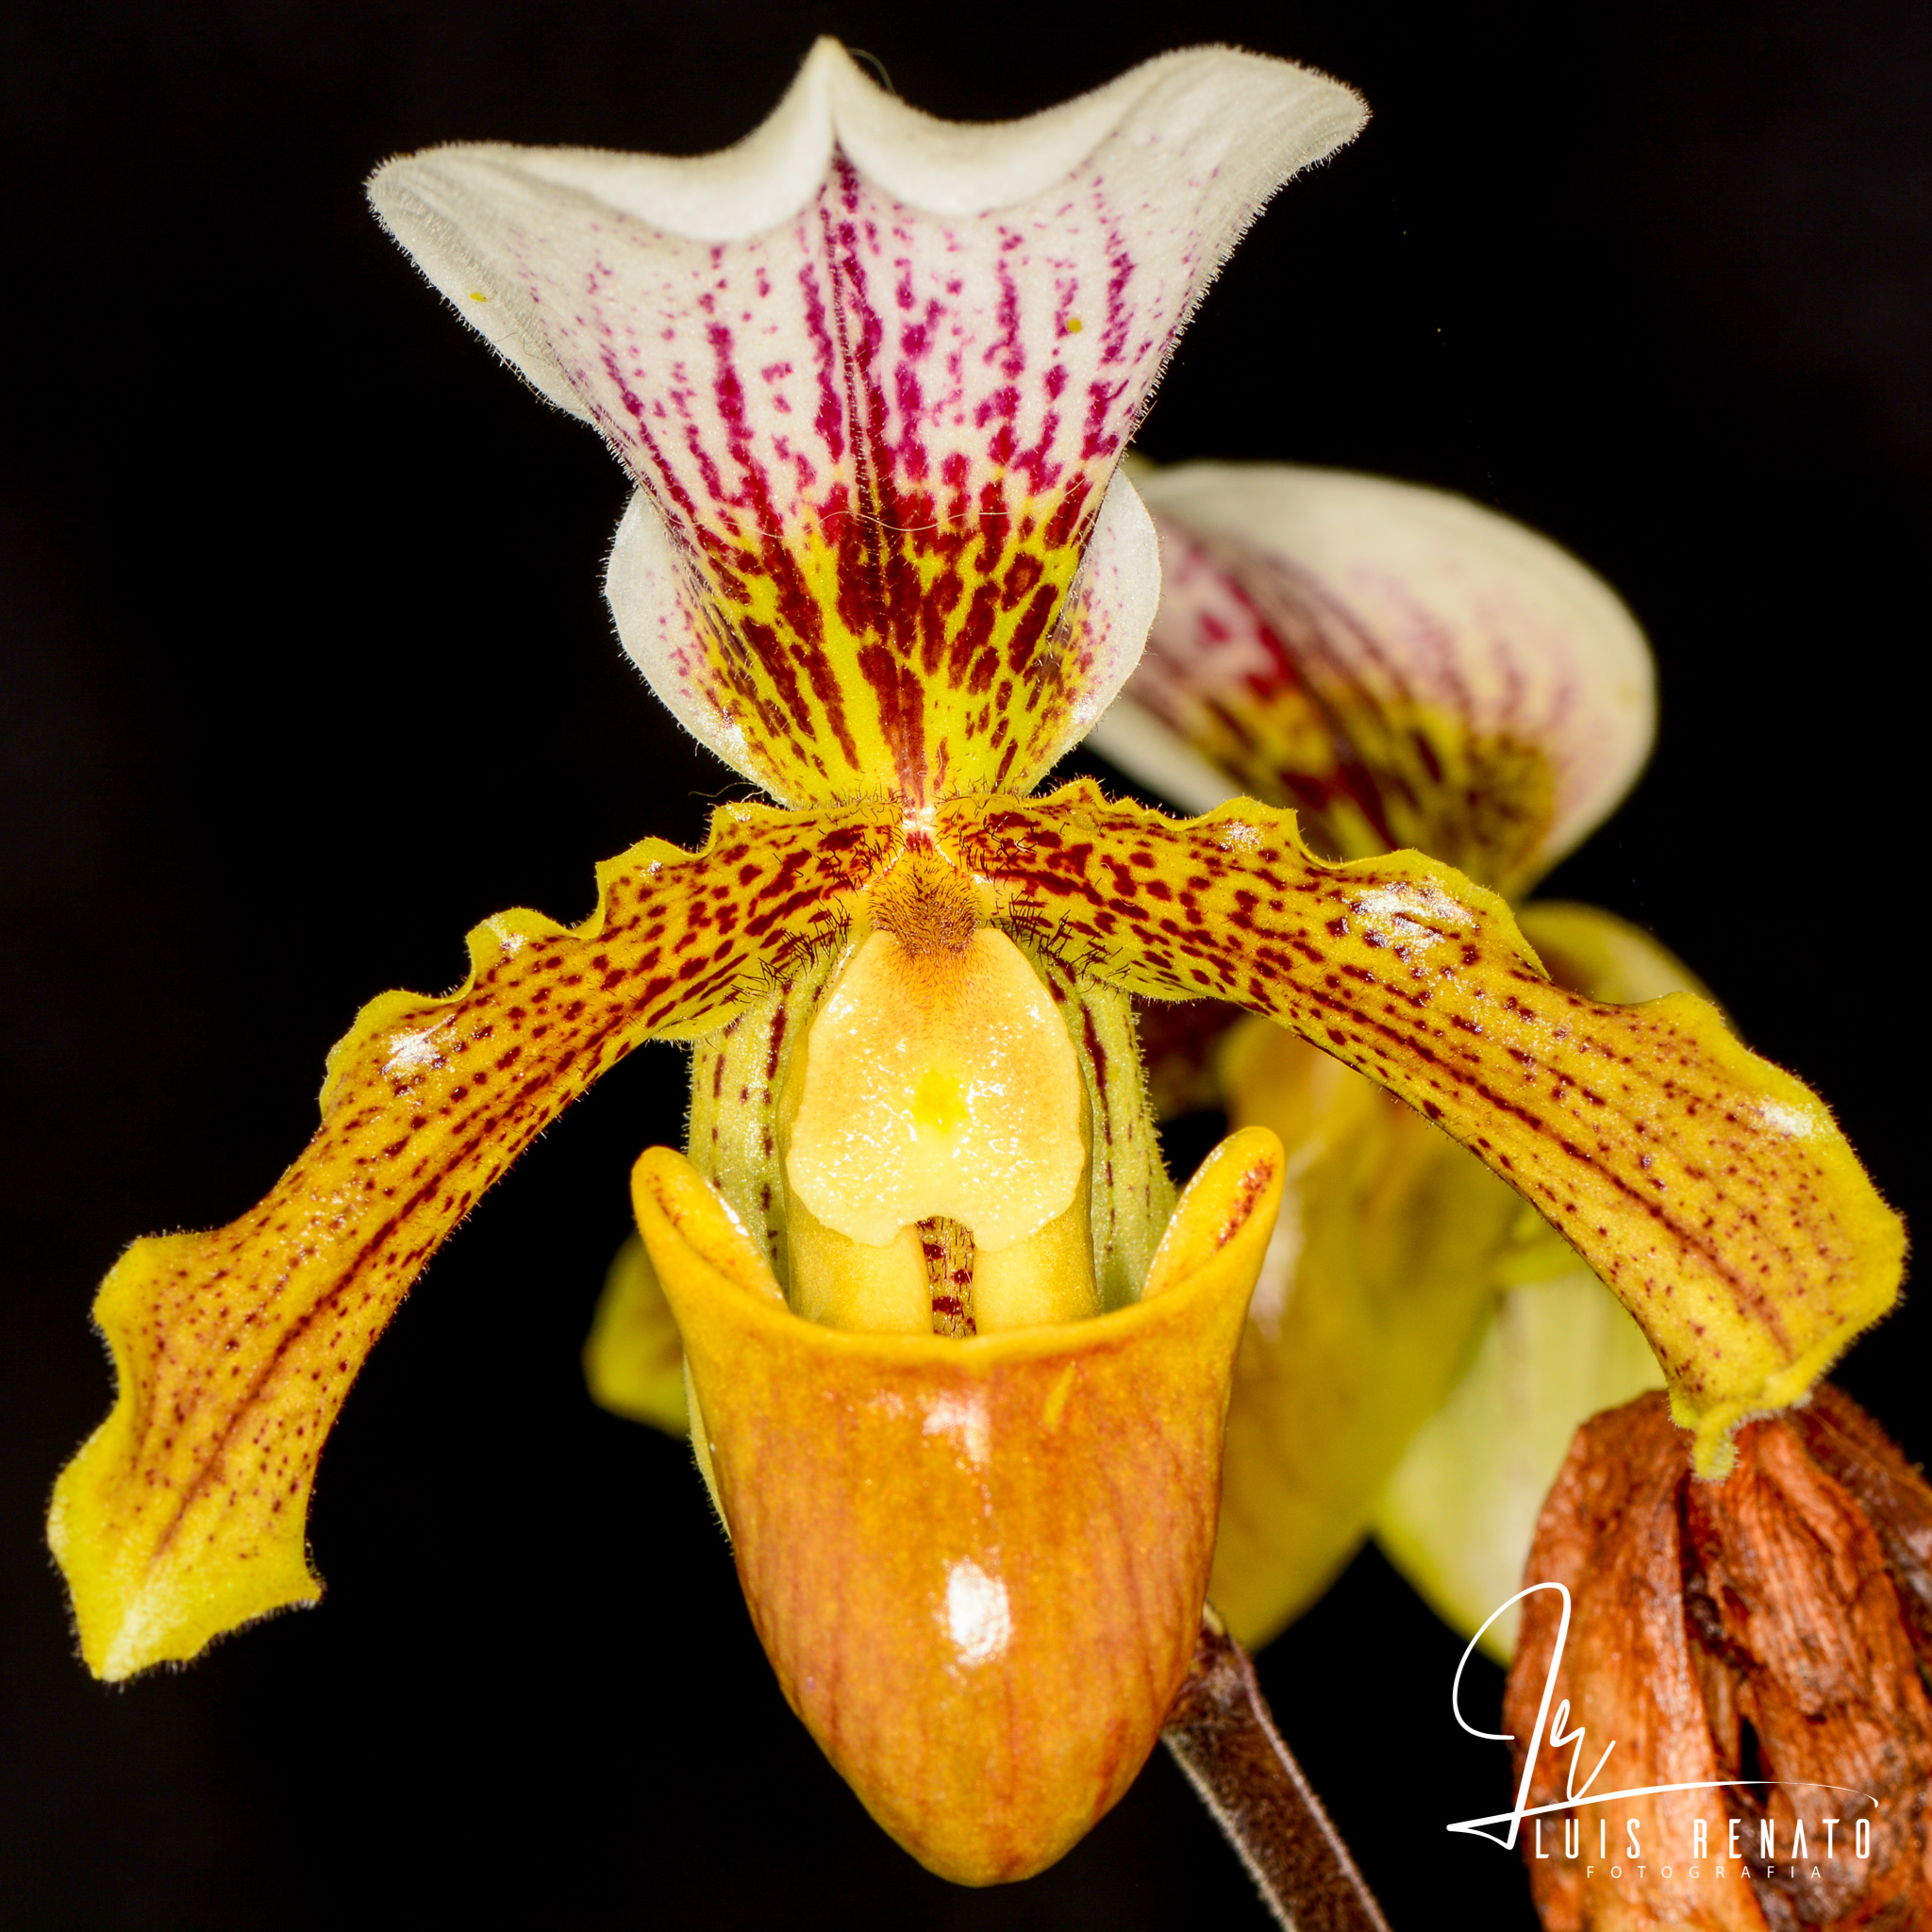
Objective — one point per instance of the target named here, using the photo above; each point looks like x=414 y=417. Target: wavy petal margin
x=1711 y=1191
x=183 y=1515
x=874 y=372
x=1401 y=665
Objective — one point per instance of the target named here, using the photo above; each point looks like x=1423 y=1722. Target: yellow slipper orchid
x=1407 y=668
x=873 y=374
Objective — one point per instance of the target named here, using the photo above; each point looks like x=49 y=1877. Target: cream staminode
x=936 y=1144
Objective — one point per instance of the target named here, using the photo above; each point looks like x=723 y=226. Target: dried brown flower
x=1765 y=1638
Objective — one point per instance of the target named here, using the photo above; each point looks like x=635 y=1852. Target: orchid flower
x=1402 y=667
x=957 y=1362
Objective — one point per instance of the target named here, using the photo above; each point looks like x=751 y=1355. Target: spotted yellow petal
x=1713 y=1192
x=1403 y=1272
x=1462 y=1505
x=183 y=1515
x=1403 y=666
x=872 y=373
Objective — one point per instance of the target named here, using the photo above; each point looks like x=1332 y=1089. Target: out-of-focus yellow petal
x=183 y=1515
x=1374 y=1290
x=1713 y=1192
x=1401 y=665
x=634 y=1361
x=977 y=1566
x=1595 y=952
x=1462 y=1506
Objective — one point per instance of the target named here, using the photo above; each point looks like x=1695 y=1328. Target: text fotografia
x=1844 y=1830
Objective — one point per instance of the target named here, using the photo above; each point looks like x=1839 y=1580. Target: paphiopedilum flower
x=1407 y=668
x=957 y=1363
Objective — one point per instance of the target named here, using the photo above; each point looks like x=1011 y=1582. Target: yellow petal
x=977 y=1566
x=1375 y=1288
x=183 y=1515
x=1593 y=952
x=1713 y=1192
x=634 y=1361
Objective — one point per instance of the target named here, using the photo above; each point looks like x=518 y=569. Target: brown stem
x=1223 y=1737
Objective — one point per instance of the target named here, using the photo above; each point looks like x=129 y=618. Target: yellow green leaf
x=1712 y=1192
x=183 y=1515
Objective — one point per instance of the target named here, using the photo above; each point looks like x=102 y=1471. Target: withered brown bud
x=1763 y=1641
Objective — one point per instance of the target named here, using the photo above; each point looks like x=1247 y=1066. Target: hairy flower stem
x=1223 y=1737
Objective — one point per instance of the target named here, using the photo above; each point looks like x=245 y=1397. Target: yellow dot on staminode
x=938 y=1105
x=1073 y=324
x=938 y=1082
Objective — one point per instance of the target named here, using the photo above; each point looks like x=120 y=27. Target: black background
x=306 y=670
